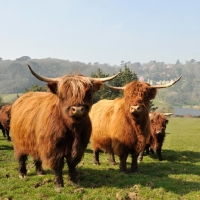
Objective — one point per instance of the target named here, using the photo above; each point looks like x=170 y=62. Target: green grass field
x=176 y=177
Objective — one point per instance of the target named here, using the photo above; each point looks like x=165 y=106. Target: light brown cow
x=122 y=126
x=5 y=121
x=158 y=123
x=53 y=126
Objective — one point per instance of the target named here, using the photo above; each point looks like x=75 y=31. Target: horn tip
x=29 y=66
x=178 y=78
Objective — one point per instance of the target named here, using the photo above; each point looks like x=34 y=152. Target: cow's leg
x=22 y=165
x=72 y=173
x=72 y=163
x=7 y=135
x=158 y=151
x=96 y=156
x=147 y=147
x=140 y=156
x=152 y=151
x=38 y=167
x=3 y=131
x=134 y=164
x=112 y=158
x=57 y=168
x=122 y=165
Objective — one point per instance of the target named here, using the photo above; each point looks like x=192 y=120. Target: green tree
x=103 y=92
x=125 y=77
x=152 y=107
x=36 y=88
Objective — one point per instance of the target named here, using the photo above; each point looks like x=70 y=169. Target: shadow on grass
x=176 y=156
x=173 y=177
x=6 y=147
x=89 y=151
x=3 y=139
x=178 y=173
x=154 y=175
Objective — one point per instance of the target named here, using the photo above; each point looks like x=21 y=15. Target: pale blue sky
x=105 y=31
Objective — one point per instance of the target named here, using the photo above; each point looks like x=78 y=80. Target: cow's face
x=137 y=98
x=158 y=124
x=75 y=95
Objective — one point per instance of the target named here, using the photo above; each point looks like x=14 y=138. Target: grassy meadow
x=176 y=177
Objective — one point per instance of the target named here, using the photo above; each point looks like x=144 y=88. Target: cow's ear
x=153 y=92
x=167 y=121
x=96 y=85
x=53 y=87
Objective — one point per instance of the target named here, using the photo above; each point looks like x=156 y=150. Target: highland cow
x=122 y=126
x=54 y=126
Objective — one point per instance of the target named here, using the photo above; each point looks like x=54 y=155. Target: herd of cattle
x=57 y=125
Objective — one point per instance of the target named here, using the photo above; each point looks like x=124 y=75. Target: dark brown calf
x=158 y=123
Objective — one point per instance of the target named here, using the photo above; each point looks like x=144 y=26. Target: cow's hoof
x=97 y=163
x=21 y=176
x=114 y=163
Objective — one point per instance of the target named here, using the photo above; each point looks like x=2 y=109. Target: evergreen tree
x=125 y=77
x=152 y=107
x=103 y=92
x=36 y=88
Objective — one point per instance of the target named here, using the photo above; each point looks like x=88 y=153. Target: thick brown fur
x=158 y=123
x=43 y=125
x=5 y=121
x=117 y=131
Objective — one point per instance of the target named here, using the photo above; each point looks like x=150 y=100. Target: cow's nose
x=158 y=132
x=78 y=110
x=134 y=109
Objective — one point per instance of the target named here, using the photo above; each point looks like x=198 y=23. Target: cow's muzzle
x=136 y=109
x=78 y=111
x=159 y=132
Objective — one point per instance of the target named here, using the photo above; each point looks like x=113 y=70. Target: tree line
x=15 y=76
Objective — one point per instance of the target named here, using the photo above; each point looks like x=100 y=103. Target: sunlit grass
x=176 y=177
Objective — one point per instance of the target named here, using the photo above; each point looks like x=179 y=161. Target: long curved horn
x=113 y=87
x=42 y=78
x=45 y=79
x=166 y=85
x=106 y=78
x=152 y=86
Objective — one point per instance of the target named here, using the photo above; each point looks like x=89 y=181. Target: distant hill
x=15 y=77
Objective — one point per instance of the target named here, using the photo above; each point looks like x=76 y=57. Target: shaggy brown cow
x=5 y=121
x=121 y=126
x=53 y=126
x=158 y=123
